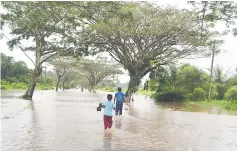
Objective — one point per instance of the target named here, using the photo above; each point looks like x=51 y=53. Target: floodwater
x=68 y=121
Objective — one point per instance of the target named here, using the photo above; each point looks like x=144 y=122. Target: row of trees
x=10 y=68
x=87 y=73
x=16 y=75
x=138 y=35
x=187 y=82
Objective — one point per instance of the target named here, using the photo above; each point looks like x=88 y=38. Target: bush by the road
x=231 y=93
x=231 y=105
x=198 y=94
x=170 y=95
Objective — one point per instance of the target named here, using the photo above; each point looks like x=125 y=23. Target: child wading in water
x=108 y=109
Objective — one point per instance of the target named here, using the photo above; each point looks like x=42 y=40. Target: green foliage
x=18 y=77
x=170 y=95
x=97 y=70
x=4 y=82
x=193 y=82
x=6 y=87
x=110 y=89
x=231 y=105
x=13 y=71
x=231 y=93
x=145 y=92
x=146 y=38
x=153 y=84
x=198 y=94
x=19 y=85
x=221 y=89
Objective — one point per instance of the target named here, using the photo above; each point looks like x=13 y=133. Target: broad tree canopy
x=149 y=37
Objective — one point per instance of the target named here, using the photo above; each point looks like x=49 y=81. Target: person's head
x=109 y=97
x=119 y=89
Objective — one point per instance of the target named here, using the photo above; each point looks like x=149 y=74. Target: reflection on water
x=107 y=140
x=69 y=121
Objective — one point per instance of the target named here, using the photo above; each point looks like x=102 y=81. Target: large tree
x=49 y=25
x=149 y=37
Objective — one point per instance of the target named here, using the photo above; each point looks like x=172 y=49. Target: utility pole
x=211 y=75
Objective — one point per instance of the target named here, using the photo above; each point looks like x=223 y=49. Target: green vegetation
x=190 y=84
x=144 y=92
x=140 y=36
x=16 y=75
x=109 y=89
x=229 y=105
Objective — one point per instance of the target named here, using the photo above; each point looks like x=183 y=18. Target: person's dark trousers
x=119 y=108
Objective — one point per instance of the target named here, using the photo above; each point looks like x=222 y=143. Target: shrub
x=5 y=87
x=12 y=79
x=4 y=82
x=232 y=105
x=175 y=95
x=18 y=85
x=198 y=94
x=153 y=84
x=231 y=93
x=189 y=96
x=221 y=89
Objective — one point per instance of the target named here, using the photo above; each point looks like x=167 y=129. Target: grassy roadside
x=40 y=87
x=224 y=104
x=228 y=105
x=146 y=93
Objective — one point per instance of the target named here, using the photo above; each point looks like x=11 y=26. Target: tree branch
x=21 y=49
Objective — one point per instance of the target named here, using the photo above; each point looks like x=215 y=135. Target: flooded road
x=68 y=121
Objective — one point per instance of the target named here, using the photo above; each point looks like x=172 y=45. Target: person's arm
x=113 y=106
x=102 y=105
x=115 y=97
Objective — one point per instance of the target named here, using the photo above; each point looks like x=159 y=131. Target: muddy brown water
x=68 y=121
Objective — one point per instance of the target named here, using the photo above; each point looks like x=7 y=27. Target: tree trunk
x=91 y=86
x=135 y=80
x=211 y=75
x=35 y=77
x=57 y=84
x=63 y=86
x=36 y=73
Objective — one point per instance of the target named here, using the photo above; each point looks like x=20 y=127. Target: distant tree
x=96 y=70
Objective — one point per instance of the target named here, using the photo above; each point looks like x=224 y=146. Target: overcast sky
x=227 y=60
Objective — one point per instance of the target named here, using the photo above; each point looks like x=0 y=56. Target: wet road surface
x=68 y=121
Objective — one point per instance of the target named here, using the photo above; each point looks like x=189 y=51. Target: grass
x=229 y=105
x=146 y=93
x=38 y=87
x=108 y=89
